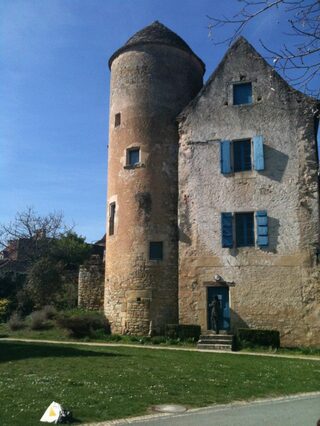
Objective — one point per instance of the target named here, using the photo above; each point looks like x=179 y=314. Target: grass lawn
x=106 y=383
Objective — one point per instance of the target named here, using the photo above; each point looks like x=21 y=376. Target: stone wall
x=91 y=284
x=150 y=85
x=275 y=286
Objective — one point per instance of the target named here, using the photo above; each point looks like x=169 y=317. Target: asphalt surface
x=302 y=410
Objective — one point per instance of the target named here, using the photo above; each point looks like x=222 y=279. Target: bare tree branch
x=29 y=224
x=300 y=60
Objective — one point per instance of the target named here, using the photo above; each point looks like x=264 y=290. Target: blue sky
x=54 y=93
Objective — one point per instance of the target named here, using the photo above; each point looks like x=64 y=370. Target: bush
x=49 y=311
x=157 y=340
x=4 y=309
x=39 y=320
x=183 y=331
x=15 y=322
x=84 y=325
x=247 y=337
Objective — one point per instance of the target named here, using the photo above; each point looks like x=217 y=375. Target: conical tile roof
x=156 y=33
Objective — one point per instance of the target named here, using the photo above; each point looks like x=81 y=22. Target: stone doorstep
x=215 y=341
x=215 y=346
x=216 y=337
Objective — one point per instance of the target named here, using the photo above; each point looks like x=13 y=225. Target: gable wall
x=274 y=287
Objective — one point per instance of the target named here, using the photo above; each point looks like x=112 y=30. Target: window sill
x=246 y=174
x=134 y=166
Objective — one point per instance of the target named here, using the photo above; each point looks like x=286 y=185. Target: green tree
x=71 y=250
x=53 y=255
x=44 y=282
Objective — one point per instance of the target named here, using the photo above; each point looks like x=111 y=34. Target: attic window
x=242 y=93
x=117 y=119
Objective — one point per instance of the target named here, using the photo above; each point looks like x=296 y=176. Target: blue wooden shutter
x=262 y=228
x=225 y=157
x=258 y=153
x=226 y=230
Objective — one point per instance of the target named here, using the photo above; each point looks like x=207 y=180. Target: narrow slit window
x=112 y=213
x=156 y=250
x=117 y=119
x=242 y=93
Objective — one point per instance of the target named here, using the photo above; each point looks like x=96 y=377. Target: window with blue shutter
x=262 y=228
x=244 y=225
x=242 y=93
x=242 y=155
x=226 y=230
x=225 y=157
x=258 y=153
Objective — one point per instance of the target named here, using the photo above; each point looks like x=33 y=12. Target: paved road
x=292 y=411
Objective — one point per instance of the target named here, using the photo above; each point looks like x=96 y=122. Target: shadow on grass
x=13 y=351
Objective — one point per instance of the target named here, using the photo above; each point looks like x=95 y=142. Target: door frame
x=215 y=285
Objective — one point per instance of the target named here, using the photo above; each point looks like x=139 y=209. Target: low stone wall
x=91 y=284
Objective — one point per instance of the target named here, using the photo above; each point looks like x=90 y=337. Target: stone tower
x=153 y=77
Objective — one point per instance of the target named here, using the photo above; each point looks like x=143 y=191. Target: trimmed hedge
x=254 y=337
x=183 y=331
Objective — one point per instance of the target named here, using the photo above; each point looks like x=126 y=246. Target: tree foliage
x=53 y=255
x=299 y=59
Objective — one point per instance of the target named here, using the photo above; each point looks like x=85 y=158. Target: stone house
x=212 y=191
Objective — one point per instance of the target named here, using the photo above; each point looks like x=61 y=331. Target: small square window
x=117 y=119
x=244 y=224
x=242 y=93
x=156 y=250
x=133 y=157
x=242 y=155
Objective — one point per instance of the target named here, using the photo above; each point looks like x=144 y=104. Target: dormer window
x=242 y=93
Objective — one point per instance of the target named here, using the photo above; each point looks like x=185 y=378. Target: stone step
x=213 y=341
x=215 y=347
x=217 y=338
x=222 y=342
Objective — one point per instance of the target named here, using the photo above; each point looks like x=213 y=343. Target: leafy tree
x=53 y=258
x=299 y=59
x=44 y=282
x=71 y=250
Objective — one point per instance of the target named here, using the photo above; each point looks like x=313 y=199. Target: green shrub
x=84 y=325
x=157 y=340
x=49 y=311
x=247 y=337
x=4 y=309
x=114 y=338
x=183 y=331
x=38 y=320
x=15 y=322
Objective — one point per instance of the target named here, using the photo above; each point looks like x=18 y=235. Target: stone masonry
x=167 y=185
x=273 y=287
x=91 y=284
